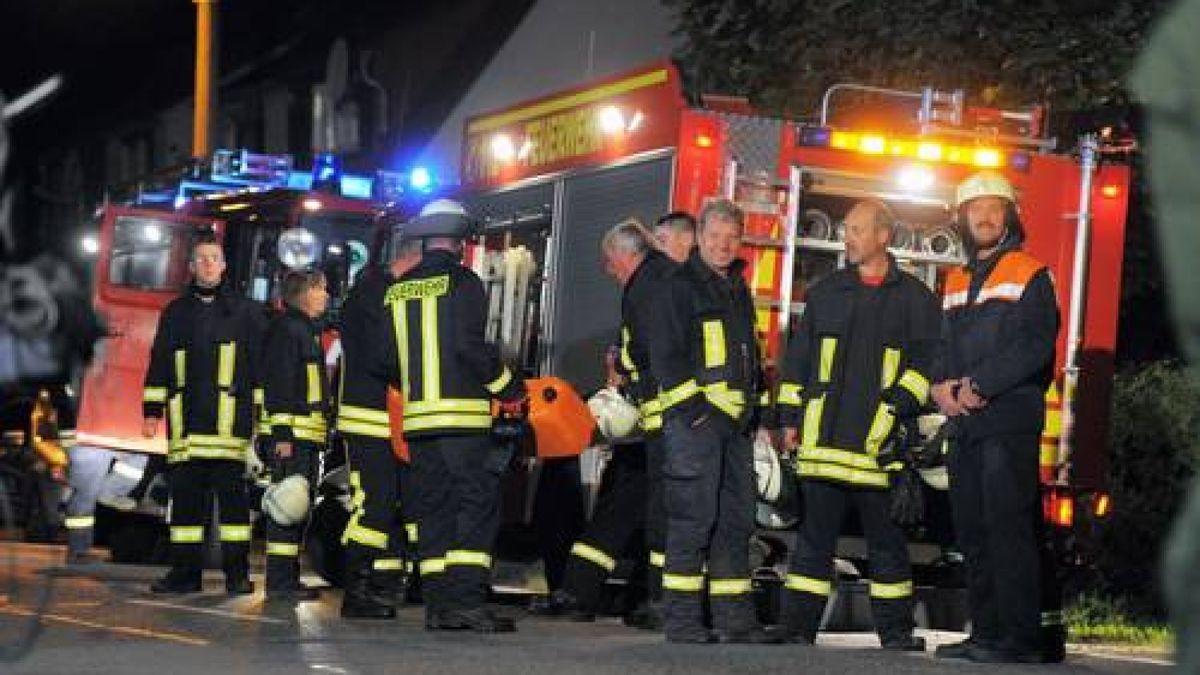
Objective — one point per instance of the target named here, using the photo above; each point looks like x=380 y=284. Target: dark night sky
x=121 y=57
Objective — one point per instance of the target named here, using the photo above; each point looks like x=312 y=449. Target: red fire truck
x=553 y=174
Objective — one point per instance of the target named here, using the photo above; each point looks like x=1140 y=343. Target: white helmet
x=615 y=415
x=286 y=502
x=767 y=471
x=778 y=504
x=440 y=218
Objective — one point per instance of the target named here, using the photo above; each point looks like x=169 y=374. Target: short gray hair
x=628 y=236
x=725 y=210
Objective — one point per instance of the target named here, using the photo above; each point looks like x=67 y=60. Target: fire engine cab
x=552 y=174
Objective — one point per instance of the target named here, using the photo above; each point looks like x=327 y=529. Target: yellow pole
x=202 y=115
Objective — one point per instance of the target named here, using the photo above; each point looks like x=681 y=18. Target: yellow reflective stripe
x=731 y=402
x=154 y=394
x=79 y=522
x=412 y=531
x=235 y=533
x=803 y=584
x=594 y=555
x=497 y=385
x=225 y=409
x=432 y=566
x=431 y=358
x=387 y=565
x=764 y=399
x=187 y=534
x=364 y=429
x=359 y=533
x=687 y=583
x=828 y=352
x=282 y=549
x=728 y=586
x=308 y=435
x=789 y=394
x=916 y=384
x=813 y=413
x=260 y=396
x=650 y=407
x=651 y=423
x=881 y=426
x=180 y=368
x=193 y=452
x=891 y=366
x=226 y=359
x=448 y=422
x=658 y=559
x=679 y=394
x=842 y=474
x=219 y=441
x=896 y=591
x=464 y=557
x=280 y=419
x=626 y=359
x=361 y=414
x=837 y=456
x=314 y=382
x=714 y=343
x=400 y=328
x=447 y=405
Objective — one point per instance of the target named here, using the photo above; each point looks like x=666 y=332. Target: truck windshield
x=149 y=254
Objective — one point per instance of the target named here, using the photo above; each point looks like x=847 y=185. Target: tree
x=782 y=54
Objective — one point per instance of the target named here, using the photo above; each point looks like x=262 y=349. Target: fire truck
x=552 y=174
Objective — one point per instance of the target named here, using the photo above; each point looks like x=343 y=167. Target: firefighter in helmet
x=705 y=356
x=855 y=373
x=435 y=350
x=1000 y=324
x=374 y=568
x=203 y=375
x=296 y=398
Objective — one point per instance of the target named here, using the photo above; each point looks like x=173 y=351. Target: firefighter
x=675 y=234
x=373 y=564
x=1001 y=320
x=449 y=374
x=202 y=374
x=856 y=370
x=633 y=498
x=296 y=398
x=704 y=354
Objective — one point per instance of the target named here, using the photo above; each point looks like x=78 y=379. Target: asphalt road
x=102 y=619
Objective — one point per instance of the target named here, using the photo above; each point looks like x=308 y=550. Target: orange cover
x=561 y=421
x=395 y=405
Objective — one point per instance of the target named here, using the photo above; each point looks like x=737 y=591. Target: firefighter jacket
x=363 y=381
x=437 y=314
x=1000 y=326
x=703 y=349
x=859 y=361
x=638 y=317
x=203 y=371
x=295 y=393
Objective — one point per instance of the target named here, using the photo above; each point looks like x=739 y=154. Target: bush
x=1153 y=456
x=1094 y=619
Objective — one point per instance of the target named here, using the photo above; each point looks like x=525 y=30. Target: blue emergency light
x=420 y=179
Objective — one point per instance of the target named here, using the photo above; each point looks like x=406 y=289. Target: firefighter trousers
x=373 y=487
x=193 y=484
x=619 y=515
x=456 y=501
x=810 y=574
x=708 y=482
x=994 y=498
x=285 y=541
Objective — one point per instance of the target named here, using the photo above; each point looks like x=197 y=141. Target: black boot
x=178 y=581
x=359 y=602
x=478 y=619
x=237 y=580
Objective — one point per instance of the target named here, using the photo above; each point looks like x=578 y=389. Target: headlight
x=298 y=248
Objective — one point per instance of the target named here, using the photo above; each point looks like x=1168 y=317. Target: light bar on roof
x=882 y=145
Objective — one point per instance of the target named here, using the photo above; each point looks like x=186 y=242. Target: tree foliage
x=782 y=54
